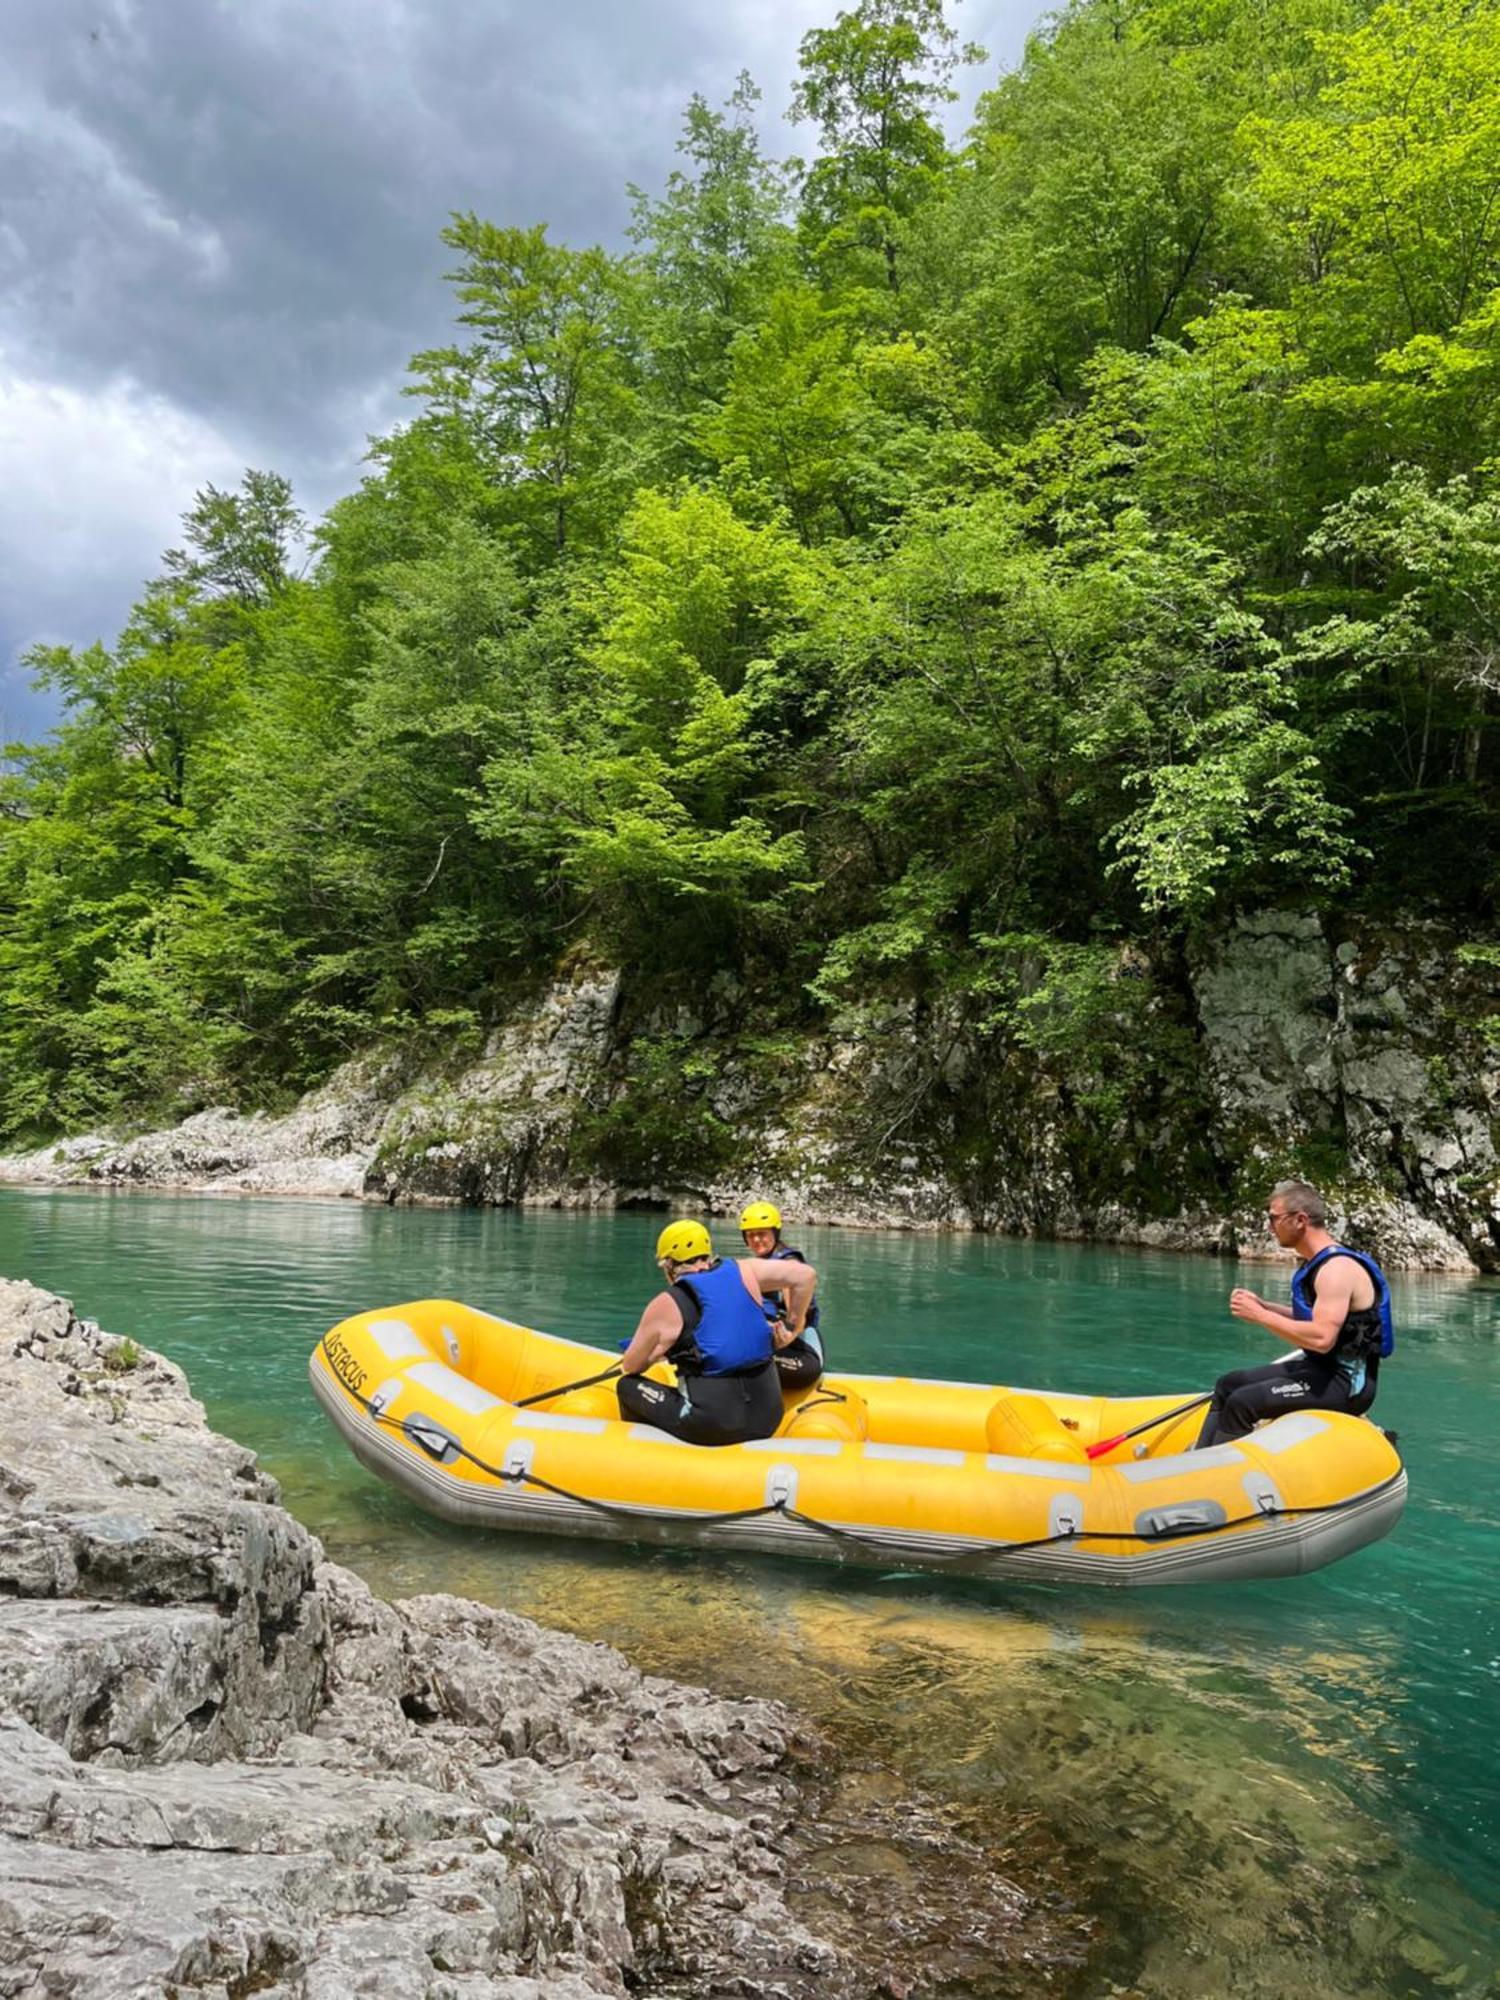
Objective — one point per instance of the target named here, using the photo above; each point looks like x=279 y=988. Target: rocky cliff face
x=1373 y=1055
x=1366 y=1061
x=226 y=1768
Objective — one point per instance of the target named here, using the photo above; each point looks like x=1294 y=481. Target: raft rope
x=819 y=1399
x=964 y=1559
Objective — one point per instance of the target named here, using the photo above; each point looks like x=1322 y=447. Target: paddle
x=1151 y=1424
x=565 y=1388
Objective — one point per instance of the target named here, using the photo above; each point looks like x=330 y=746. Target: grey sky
x=219 y=233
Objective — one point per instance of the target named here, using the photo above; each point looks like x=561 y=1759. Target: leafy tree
x=349 y=803
x=870 y=84
x=1388 y=190
x=654 y=811
x=950 y=599
x=95 y=839
x=1102 y=203
x=1433 y=554
x=787 y=432
x=545 y=388
x=240 y=545
x=1405 y=682
x=713 y=245
x=1030 y=730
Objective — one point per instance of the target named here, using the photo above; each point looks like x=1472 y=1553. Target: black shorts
x=1249 y=1396
x=707 y=1409
x=799 y=1364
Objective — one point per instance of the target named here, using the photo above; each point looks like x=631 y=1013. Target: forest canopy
x=894 y=569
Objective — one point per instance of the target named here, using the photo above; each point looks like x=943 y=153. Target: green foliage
x=653 y=815
x=937 y=580
x=240 y=545
x=713 y=246
x=871 y=84
x=1102 y=203
x=544 y=392
x=660 y=1124
x=1386 y=189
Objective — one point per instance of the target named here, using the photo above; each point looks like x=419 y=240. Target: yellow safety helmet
x=683 y=1241
x=760 y=1215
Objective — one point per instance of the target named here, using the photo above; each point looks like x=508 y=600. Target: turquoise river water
x=1266 y=1789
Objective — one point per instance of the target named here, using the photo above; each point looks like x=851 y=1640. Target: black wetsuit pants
x=707 y=1409
x=799 y=1365
x=1248 y=1396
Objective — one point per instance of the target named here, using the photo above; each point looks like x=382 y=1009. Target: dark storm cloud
x=238 y=207
x=219 y=230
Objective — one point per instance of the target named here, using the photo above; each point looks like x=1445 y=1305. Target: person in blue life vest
x=800 y=1363
x=711 y=1324
x=1340 y=1319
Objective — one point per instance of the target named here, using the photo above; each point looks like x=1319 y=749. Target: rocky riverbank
x=1366 y=1061
x=227 y=1768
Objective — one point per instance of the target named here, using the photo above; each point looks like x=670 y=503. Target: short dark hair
x=1301 y=1198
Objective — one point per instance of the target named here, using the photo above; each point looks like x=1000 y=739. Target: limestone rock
x=226 y=1768
x=323 y=1147
x=1356 y=1054
x=501 y=1131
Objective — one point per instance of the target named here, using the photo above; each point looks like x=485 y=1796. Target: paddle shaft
x=566 y=1388
x=1151 y=1424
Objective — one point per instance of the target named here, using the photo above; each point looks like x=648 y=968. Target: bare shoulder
x=1345 y=1281
x=662 y=1309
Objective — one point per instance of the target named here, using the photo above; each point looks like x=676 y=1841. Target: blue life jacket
x=1303 y=1290
x=724 y=1331
x=772 y=1300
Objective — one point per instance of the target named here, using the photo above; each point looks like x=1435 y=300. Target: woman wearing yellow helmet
x=800 y=1363
x=711 y=1324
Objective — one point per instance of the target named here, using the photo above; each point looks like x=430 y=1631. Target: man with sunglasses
x=1339 y=1320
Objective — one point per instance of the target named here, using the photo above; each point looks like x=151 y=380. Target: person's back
x=724 y=1330
x=711 y=1325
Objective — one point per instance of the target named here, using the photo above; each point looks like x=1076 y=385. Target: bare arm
x=1337 y=1280
x=796 y=1281
x=659 y=1326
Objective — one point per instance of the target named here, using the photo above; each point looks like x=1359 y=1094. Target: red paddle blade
x=1151 y=1424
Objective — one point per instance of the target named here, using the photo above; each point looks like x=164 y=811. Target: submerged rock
x=227 y=1768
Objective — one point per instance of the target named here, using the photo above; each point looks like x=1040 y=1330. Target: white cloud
x=95 y=485
x=92 y=475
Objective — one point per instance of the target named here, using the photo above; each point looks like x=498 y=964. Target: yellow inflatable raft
x=464 y=1412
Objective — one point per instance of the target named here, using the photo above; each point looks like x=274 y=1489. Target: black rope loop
x=818 y=1398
